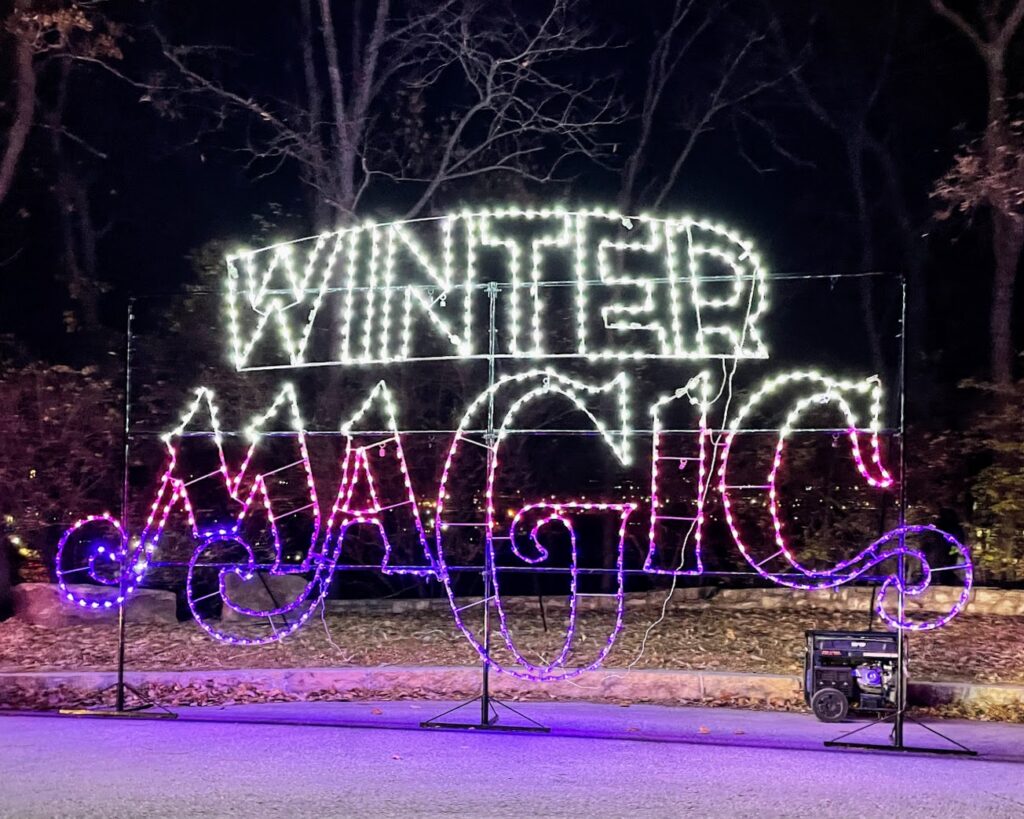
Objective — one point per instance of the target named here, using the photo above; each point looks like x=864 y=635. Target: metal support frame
x=120 y=688
x=488 y=713
x=898 y=716
x=488 y=716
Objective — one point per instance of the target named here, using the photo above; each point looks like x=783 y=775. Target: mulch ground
x=972 y=648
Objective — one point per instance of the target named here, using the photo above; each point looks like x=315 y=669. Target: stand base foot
x=140 y=711
x=113 y=712
x=899 y=719
x=488 y=726
x=908 y=749
x=491 y=721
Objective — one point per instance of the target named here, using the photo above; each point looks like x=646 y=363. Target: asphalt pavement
x=373 y=759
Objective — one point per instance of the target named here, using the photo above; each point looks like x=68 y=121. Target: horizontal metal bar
x=483 y=287
x=508 y=287
x=375 y=567
x=377 y=362
x=637 y=432
x=375 y=444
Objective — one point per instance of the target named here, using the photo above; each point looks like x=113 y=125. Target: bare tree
x=22 y=33
x=852 y=117
x=49 y=41
x=990 y=172
x=37 y=33
x=79 y=232
x=689 y=90
x=513 y=102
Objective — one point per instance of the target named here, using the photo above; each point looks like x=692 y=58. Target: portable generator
x=850 y=670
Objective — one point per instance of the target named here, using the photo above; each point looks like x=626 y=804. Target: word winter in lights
x=490 y=284
x=640 y=288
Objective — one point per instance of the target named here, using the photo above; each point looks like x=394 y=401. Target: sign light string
x=697 y=394
x=173 y=492
x=274 y=297
x=271 y=288
x=533 y=385
x=115 y=558
x=355 y=470
x=872 y=555
x=569 y=389
x=129 y=561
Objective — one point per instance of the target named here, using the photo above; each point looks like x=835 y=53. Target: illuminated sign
x=639 y=289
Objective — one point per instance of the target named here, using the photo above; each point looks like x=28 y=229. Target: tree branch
x=940 y=8
x=1011 y=25
x=337 y=95
x=24 y=111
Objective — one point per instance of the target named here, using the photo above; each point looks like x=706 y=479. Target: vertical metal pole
x=490 y=438
x=119 y=700
x=119 y=705
x=901 y=640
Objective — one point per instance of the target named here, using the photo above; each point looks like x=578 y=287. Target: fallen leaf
x=376 y=712
x=703 y=730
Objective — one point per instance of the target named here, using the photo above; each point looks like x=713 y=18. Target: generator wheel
x=830 y=705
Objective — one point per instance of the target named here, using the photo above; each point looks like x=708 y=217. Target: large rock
x=42 y=604
x=262 y=592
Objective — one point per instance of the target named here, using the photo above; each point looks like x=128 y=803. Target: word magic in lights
x=553 y=296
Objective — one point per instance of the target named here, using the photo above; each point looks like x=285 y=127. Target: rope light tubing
x=643 y=288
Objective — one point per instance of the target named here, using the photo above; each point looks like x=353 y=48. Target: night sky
x=163 y=180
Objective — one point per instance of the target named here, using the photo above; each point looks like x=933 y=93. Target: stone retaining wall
x=847 y=598
x=657 y=686
x=39 y=603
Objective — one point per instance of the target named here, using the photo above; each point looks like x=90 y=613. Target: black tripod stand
x=139 y=710
x=121 y=709
x=899 y=716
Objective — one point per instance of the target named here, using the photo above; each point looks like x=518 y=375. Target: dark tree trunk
x=866 y=260
x=1007 y=244
x=78 y=233
x=24 y=112
x=1007 y=228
